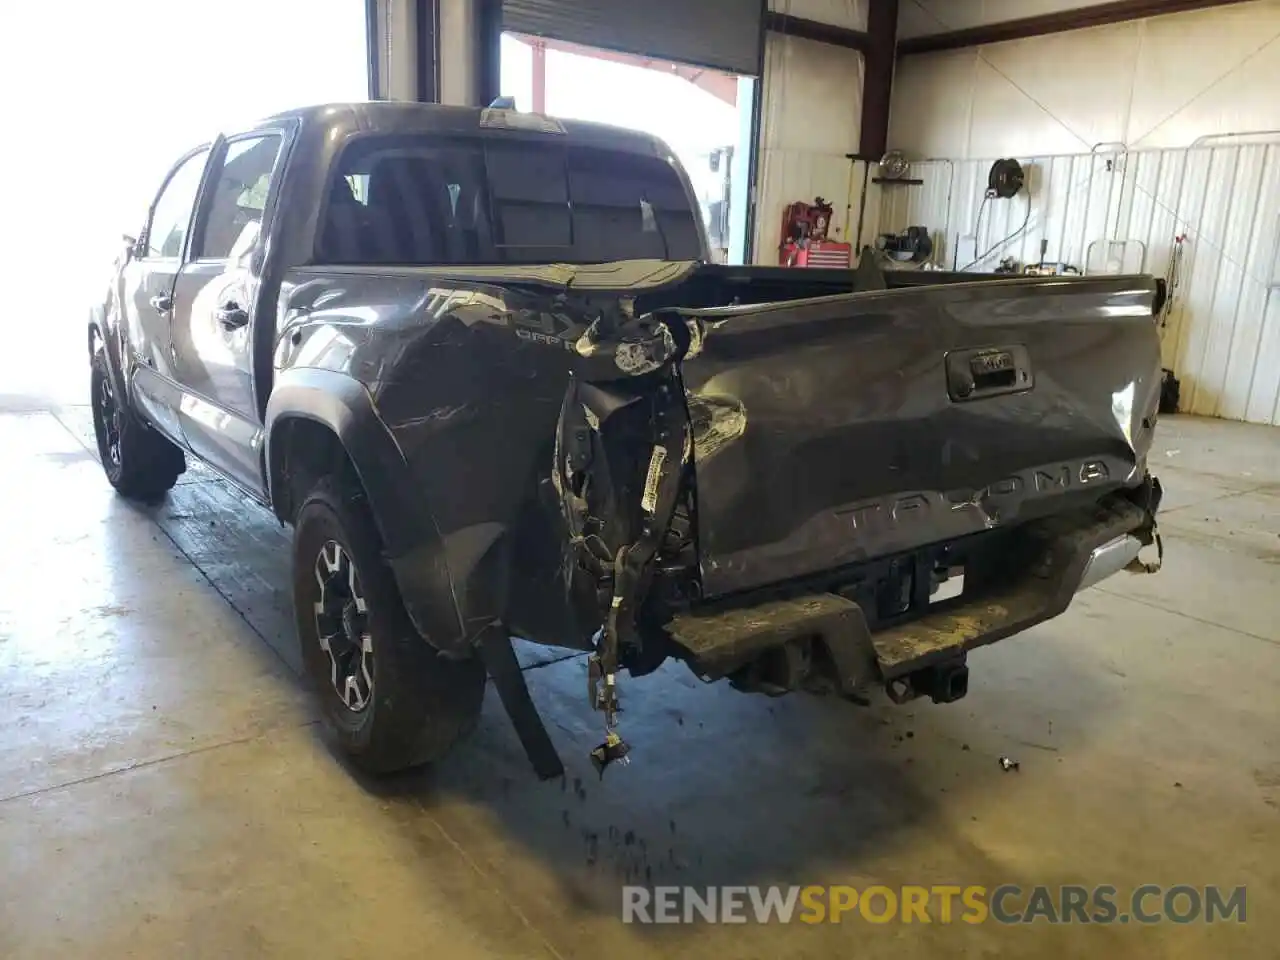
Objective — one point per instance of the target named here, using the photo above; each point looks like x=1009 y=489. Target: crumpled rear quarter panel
x=469 y=379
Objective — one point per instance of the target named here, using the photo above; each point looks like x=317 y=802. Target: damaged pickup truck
x=478 y=362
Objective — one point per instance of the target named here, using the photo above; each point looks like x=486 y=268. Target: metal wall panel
x=809 y=121
x=1152 y=84
x=724 y=34
x=1120 y=211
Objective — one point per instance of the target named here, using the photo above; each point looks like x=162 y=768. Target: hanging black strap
x=499 y=659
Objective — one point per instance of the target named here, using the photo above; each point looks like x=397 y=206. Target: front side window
x=420 y=200
x=171 y=214
x=239 y=198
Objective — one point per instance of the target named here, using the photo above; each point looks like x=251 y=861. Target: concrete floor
x=166 y=791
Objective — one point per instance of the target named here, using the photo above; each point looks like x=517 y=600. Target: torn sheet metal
x=716 y=423
x=639 y=348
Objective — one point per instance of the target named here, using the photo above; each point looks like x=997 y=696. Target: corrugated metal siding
x=1152 y=84
x=1120 y=211
x=1156 y=85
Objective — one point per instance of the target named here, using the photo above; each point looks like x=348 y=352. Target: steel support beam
x=754 y=146
x=877 y=87
x=373 y=48
x=469 y=40
x=539 y=50
x=392 y=47
x=488 y=14
x=1098 y=15
x=427 y=15
x=785 y=23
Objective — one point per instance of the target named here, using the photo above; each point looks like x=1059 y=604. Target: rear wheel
x=389 y=698
x=138 y=461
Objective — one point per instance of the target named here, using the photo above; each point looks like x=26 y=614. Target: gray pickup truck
x=479 y=362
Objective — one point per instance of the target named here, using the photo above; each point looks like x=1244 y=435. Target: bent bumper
x=1069 y=553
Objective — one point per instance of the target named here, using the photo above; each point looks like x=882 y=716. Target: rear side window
x=630 y=207
x=420 y=200
x=530 y=203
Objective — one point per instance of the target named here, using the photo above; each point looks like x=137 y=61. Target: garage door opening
x=703 y=115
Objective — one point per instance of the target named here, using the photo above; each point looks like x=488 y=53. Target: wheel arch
x=96 y=326
x=100 y=328
x=317 y=418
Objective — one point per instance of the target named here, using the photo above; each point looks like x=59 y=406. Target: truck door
x=214 y=301
x=148 y=292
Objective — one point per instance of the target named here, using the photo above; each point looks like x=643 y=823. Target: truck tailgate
x=835 y=430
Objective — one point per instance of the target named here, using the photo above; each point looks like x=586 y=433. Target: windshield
x=426 y=200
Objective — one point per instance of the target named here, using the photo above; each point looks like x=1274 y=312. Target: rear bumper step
x=1074 y=553
x=1110 y=558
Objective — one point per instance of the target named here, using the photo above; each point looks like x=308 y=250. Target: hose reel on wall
x=1005 y=180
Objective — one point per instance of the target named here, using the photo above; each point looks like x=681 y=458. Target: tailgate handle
x=988 y=372
x=988 y=376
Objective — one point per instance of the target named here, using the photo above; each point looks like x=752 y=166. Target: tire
x=412 y=705
x=138 y=461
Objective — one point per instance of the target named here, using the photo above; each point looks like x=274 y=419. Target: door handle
x=162 y=302
x=232 y=316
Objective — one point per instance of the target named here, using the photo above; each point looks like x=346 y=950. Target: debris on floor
x=613 y=750
x=1006 y=764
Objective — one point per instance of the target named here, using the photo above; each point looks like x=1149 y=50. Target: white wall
x=459 y=52
x=810 y=119
x=396 y=27
x=811 y=116
x=1160 y=82
x=1145 y=91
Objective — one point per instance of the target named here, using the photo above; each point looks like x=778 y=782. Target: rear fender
x=101 y=331
x=95 y=329
x=411 y=540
